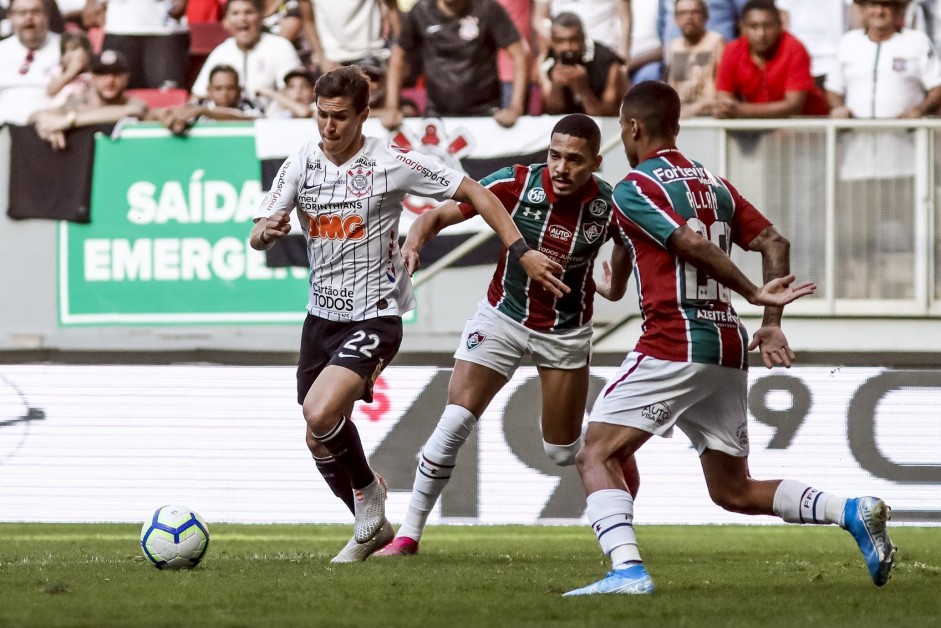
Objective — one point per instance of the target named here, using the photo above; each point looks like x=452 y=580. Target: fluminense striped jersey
x=567 y=230
x=351 y=214
x=688 y=316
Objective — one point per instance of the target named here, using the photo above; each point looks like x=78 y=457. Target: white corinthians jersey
x=351 y=214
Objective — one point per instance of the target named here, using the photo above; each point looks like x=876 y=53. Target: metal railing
x=857 y=198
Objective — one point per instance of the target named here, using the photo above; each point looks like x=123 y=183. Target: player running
x=563 y=210
x=689 y=368
x=347 y=190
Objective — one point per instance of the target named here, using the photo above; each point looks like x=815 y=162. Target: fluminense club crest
x=474 y=339
x=592 y=231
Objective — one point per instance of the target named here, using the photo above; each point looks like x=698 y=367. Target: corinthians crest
x=359 y=182
x=433 y=140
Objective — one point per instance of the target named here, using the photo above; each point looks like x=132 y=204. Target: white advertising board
x=111 y=443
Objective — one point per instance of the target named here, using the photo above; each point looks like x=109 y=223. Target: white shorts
x=498 y=342
x=706 y=401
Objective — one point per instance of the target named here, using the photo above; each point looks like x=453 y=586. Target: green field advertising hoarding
x=168 y=238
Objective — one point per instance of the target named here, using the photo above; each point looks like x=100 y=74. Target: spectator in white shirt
x=27 y=62
x=261 y=59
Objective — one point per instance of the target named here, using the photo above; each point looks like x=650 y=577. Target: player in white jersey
x=347 y=190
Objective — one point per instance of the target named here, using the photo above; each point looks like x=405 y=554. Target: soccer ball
x=174 y=538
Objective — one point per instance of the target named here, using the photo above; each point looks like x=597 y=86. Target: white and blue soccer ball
x=175 y=538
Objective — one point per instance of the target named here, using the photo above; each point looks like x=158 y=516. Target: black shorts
x=365 y=347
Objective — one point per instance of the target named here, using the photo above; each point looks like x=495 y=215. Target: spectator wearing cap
x=349 y=32
x=224 y=103
x=455 y=42
x=296 y=100
x=105 y=103
x=765 y=73
x=27 y=62
x=261 y=59
x=153 y=37
x=580 y=75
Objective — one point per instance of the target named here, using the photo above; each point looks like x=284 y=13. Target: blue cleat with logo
x=632 y=580
x=865 y=518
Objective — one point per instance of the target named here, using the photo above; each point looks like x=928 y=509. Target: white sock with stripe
x=611 y=514
x=796 y=502
x=435 y=464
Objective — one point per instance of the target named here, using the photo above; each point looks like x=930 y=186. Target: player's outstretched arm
x=269 y=230
x=538 y=267
x=694 y=249
x=613 y=282
x=771 y=341
x=426 y=227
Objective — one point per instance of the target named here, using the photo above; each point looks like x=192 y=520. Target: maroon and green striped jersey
x=688 y=316
x=567 y=230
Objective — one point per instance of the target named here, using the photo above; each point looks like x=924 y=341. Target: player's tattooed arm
x=426 y=227
x=692 y=248
x=775 y=252
x=269 y=230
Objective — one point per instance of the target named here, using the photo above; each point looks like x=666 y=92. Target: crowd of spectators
x=61 y=59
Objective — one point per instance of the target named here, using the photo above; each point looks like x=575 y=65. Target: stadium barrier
x=112 y=443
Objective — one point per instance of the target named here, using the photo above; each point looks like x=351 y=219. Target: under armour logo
x=535 y=214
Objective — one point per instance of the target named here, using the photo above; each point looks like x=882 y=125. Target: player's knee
x=562 y=455
x=728 y=498
x=588 y=457
x=454 y=427
x=319 y=420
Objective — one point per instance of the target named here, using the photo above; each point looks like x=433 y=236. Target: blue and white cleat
x=865 y=518
x=632 y=580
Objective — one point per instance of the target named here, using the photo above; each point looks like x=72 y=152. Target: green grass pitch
x=278 y=575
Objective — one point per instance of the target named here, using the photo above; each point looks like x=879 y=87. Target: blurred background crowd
x=72 y=63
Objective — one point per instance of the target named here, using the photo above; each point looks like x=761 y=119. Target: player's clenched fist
x=267 y=231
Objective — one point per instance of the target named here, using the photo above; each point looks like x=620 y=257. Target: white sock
x=611 y=514
x=435 y=464
x=796 y=502
x=562 y=455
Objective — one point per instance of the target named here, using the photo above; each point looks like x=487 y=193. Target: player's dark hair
x=222 y=68
x=568 y=20
x=761 y=5
x=258 y=4
x=347 y=81
x=580 y=125
x=656 y=106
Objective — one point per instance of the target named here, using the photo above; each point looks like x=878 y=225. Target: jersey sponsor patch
x=658 y=413
x=474 y=339
x=598 y=207
x=535 y=214
x=536 y=195
x=560 y=233
x=333 y=227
